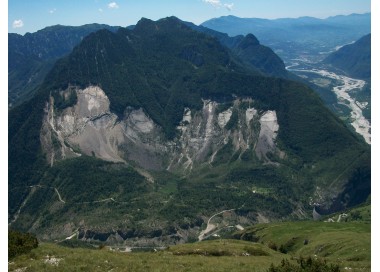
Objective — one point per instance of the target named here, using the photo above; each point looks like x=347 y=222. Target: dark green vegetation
x=329 y=247
x=256 y=55
x=20 y=243
x=354 y=59
x=308 y=265
x=288 y=37
x=361 y=213
x=86 y=185
x=162 y=71
x=163 y=67
x=33 y=55
x=249 y=50
x=365 y=96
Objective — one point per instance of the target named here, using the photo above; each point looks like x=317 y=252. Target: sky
x=32 y=15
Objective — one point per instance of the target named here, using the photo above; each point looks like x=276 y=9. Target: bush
x=255 y=251
x=304 y=265
x=272 y=245
x=20 y=243
x=249 y=236
x=285 y=248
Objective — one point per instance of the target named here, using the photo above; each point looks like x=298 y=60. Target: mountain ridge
x=289 y=36
x=354 y=59
x=32 y=55
x=249 y=50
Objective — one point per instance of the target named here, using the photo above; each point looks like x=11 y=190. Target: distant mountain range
x=354 y=59
x=289 y=28
x=291 y=38
x=140 y=135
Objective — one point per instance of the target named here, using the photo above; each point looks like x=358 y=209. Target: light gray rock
x=90 y=128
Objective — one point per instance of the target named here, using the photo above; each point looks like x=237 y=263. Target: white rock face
x=224 y=117
x=89 y=127
x=209 y=113
x=269 y=123
x=140 y=122
x=92 y=128
x=268 y=134
x=96 y=100
x=186 y=119
x=92 y=102
x=249 y=114
x=187 y=115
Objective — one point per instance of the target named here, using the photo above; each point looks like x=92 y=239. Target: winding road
x=210 y=227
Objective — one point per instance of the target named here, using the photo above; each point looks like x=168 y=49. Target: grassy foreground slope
x=346 y=244
x=178 y=258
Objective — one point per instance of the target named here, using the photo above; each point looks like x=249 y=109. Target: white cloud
x=100 y=10
x=215 y=3
x=52 y=10
x=17 y=23
x=219 y=4
x=113 y=5
x=229 y=6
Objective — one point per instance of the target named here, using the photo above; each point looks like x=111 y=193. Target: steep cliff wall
x=90 y=128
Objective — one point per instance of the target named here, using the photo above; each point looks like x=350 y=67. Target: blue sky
x=32 y=15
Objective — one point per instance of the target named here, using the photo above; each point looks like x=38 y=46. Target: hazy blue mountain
x=354 y=59
x=142 y=134
x=291 y=37
x=32 y=55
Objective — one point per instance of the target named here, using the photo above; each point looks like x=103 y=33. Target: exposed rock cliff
x=89 y=127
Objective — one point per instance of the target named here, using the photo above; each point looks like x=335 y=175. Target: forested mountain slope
x=32 y=55
x=354 y=59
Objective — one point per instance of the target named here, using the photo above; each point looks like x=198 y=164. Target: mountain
x=142 y=135
x=249 y=50
x=236 y=26
x=32 y=56
x=354 y=59
x=289 y=37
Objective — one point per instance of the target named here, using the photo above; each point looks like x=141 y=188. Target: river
x=361 y=125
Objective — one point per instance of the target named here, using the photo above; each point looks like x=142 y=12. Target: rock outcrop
x=90 y=128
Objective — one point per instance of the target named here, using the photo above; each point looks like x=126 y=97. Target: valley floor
x=344 y=86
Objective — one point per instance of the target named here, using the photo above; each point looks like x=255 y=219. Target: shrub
x=20 y=243
x=272 y=245
x=255 y=251
x=304 y=265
